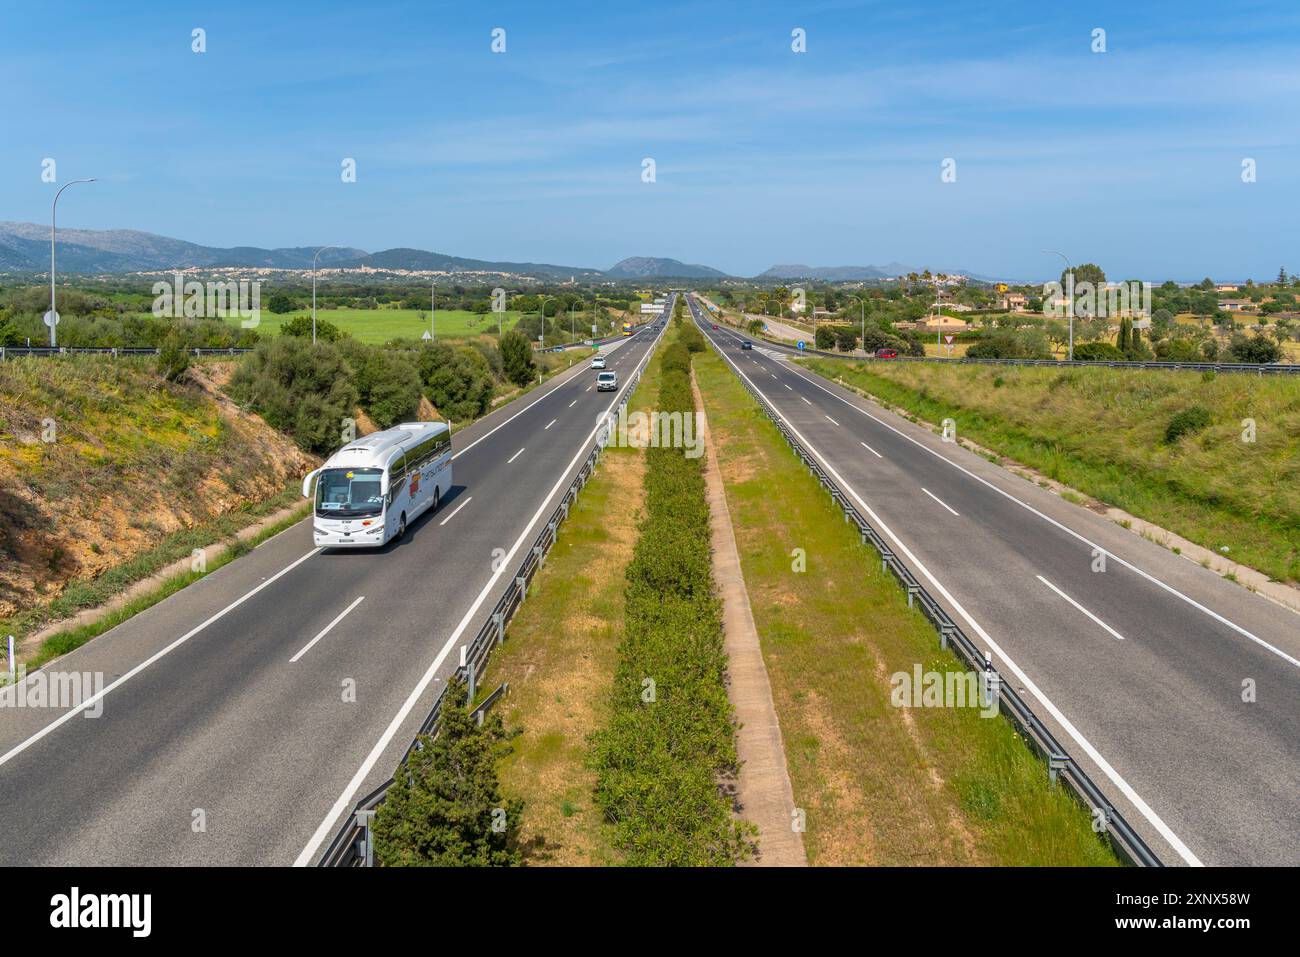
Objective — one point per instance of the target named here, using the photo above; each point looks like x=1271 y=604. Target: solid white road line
x=515 y=456
x=1080 y=607
x=326 y=630
x=787 y=387
x=548 y=425
x=573 y=403
x=455 y=510
x=830 y=420
x=1065 y=528
x=341 y=805
x=805 y=400
x=870 y=449
x=1026 y=682
x=937 y=499
x=98 y=696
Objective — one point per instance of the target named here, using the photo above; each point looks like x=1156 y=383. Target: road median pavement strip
x=879 y=776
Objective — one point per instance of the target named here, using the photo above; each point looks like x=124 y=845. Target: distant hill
x=853 y=273
x=644 y=267
x=421 y=260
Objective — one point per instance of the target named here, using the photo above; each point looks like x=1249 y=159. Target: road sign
x=802 y=345
x=426 y=337
x=948 y=339
x=51 y=318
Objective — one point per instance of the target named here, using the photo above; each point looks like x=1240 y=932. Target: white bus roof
x=375 y=450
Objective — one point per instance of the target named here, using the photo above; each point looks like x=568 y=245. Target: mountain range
x=25 y=247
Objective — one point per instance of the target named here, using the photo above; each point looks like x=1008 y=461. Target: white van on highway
x=370 y=490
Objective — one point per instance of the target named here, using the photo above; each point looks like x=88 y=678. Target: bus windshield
x=349 y=493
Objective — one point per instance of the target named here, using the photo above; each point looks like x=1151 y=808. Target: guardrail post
x=911 y=592
x=499 y=619
x=522 y=584
x=367 y=840
x=945 y=635
x=1056 y=763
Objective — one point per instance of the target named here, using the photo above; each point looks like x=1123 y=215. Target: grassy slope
x=559 y=659
x=1102 y=431
x=880 y=785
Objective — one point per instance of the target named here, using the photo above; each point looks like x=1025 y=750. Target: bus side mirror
x=306 y=482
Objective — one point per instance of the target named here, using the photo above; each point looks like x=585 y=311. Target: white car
x=607 y=382
x=598 y=362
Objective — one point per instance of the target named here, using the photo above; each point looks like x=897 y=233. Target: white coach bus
x=370 y=490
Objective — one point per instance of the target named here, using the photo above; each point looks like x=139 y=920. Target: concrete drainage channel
x=1127 y=843
x=353 y=843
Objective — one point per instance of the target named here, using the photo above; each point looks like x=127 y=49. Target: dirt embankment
x=101 y=460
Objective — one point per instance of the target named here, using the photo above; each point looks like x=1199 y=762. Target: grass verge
x=879 y=784
x=559 y=659
x=1234 y=483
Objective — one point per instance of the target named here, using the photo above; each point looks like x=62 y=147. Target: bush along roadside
x=664 y=760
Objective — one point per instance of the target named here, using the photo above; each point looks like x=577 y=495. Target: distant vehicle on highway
x=370 y=490
x=627 y=328
x=746 y=344
x=598 y=362
x=607 y=382
x=887 y=354
x=715 y=326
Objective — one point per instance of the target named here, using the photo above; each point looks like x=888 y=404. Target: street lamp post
x=433 y=310
x=313 y=290
x=541 y=335
x=863 y=303
x=52 y=319
x=1069 y=294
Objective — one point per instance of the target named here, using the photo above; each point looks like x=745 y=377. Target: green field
x=376 y=326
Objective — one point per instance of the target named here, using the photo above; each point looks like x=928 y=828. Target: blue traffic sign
x=801 y=344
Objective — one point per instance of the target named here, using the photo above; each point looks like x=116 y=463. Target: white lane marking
x=787 y=386
x=588 y=389
x=937 y=499
x=98 y=696
x=573 y=403
x=830 y=420
x=1080 y=607
x=805 y=400
x=1065 y=528
x=326 y=630
x=515 y=456
x=455 y=510
x=341 y=805
x=502 y=425
x=870 y=449
x=549 y=424
x=1125 y=788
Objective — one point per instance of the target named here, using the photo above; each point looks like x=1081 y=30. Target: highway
x=243 y=716
x=1138 y=669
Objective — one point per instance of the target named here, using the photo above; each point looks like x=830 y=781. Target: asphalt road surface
x=1138 y=669
x=253 y=708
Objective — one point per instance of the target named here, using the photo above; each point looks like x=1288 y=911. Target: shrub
x=1097 y=352
x=1259 y=349
x=173 y=358
x=303 y=389
x=443 y=807
x=388 y=385
x=825 y=338
x=845 y=339
x=1187 y=422
x=457 y=380
x=517 y=358
x=300 y=326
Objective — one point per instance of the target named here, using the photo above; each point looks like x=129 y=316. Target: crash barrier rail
x=352 y=845
x=1060 y=765
x=11 y=352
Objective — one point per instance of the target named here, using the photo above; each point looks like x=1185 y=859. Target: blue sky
x=1130 y=158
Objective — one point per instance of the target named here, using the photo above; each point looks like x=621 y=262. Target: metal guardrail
x=1257 y=368
x=1060 y=765
x=352 y=844
x=10 y=352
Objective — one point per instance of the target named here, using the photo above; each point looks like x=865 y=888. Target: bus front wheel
x=401 y=527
